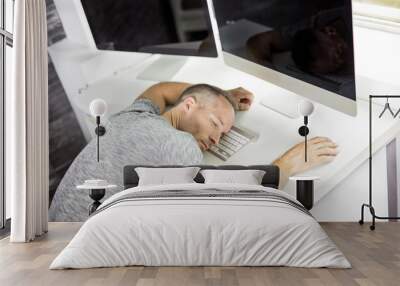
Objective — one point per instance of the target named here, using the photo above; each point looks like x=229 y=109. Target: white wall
x=344 y=202
x=377 y=54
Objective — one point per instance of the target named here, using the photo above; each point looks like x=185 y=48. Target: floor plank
x=375 y=257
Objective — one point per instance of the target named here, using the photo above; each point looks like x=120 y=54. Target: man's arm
x=165 y=93
x=321 y=150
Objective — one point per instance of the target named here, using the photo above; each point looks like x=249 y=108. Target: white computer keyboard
x=231 y=143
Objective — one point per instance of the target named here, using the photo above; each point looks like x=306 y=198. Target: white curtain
x=27 y=123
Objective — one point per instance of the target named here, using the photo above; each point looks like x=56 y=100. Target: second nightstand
x=97 y=190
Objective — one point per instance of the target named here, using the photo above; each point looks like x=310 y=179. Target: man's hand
x=321 y=150
x=241 y=98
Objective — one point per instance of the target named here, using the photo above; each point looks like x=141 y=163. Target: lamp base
x=303 y=131
x=100 y=130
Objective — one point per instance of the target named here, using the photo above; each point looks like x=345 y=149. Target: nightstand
x=96 y=193
x=305 y=190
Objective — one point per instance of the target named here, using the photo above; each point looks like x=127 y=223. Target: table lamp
x=98 y=108
x=305 y=108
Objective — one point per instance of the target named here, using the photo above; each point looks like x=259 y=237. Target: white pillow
x=248 y=177
x=165 y=176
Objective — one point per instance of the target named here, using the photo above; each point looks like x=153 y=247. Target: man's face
x=209 y=122
x=332 y=51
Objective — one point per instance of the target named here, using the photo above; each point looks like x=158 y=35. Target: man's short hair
x=305 y=44
x=205 y=94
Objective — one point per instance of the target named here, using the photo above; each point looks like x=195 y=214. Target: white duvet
x=200 y=231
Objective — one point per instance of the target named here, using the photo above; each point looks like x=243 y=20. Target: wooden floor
x=375 y=257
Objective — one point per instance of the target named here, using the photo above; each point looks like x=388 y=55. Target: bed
x=198 y=224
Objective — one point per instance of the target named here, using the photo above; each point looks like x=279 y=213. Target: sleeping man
x=147 y=133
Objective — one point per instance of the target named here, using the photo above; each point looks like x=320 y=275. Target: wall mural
x=175 y=123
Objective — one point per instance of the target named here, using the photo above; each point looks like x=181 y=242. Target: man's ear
x=189 y=103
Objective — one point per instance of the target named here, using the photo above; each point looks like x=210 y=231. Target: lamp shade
x=306 y=108
x=98 y=107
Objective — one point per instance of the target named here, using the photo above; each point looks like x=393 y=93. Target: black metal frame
x=370 y=205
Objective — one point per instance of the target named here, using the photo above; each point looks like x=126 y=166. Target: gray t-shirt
x=138 y=135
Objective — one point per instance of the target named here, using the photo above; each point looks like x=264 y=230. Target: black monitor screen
x=177 y=27
x=311 y=40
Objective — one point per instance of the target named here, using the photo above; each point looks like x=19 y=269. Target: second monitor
x=174 y=28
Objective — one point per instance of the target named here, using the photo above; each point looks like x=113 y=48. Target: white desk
x=277 y=133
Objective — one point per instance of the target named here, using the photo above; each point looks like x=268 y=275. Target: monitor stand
x=281 y=101
x=164 y=68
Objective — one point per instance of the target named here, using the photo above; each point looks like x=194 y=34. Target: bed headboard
x=270 y=179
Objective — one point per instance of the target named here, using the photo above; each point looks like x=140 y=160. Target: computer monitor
x=175 y=27
x=167 y=27
x=305 y=47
